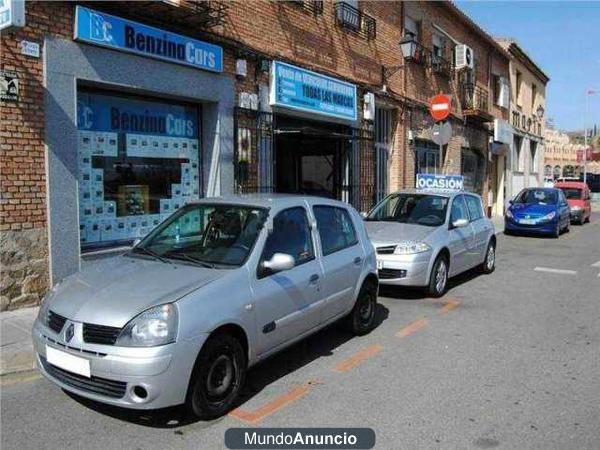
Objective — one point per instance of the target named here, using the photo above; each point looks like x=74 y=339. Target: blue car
x=539 y=211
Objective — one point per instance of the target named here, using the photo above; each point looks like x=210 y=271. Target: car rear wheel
x=556 y=232
x=438 y=280
x=217 y=378
x=489 y=263
x=361 y=319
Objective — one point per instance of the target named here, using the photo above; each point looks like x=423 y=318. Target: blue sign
x=101 y=112
x=304 y=90
x=121 y=34
x=440 y=182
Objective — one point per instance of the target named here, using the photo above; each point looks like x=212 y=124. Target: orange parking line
x=450 y=305
x=411 y=328
x=358 y=358
x=253 y=417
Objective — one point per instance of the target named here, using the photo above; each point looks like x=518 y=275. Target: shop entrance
x=310 y=157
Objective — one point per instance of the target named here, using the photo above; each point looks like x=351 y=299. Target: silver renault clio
x=424 y=237
x=219 y=286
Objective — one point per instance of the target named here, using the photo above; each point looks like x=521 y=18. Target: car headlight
x=411 y=248
x=549 y=216
x=155 y=326
x=509 y=214
x=575 y=208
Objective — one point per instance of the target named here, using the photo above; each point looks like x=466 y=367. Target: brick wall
x=23 y=234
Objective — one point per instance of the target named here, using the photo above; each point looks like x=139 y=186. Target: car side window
x=474 y=206
x=291 y=235
x=335 y=227
x=459 y=209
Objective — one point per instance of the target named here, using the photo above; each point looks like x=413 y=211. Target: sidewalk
x=16 y=349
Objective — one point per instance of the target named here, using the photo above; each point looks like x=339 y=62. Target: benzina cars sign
x=440 y=182
x=109 y=31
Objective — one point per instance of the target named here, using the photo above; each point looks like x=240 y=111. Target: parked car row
x=547 y=210
x=225 y=283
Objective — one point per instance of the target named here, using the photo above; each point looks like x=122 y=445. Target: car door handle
x=357 y=260
x=313 y=279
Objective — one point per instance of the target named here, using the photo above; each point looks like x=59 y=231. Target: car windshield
x=572 y=193
x=420 y=209
x=537 y=197
x=207 y=235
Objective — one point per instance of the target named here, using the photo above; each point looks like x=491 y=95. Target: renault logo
x=69 y=332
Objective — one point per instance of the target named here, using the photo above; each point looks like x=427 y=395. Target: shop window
x=518 y=155
x=139 y=161
x=533 y=159
x=427 y=157
x=473 y=169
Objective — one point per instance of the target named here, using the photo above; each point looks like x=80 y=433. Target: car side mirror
x=511 y=202
x=136 y=242
x=279 y=262
x=363 y=214
x=459 y=223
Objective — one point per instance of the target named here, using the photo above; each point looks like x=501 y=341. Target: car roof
x=573 y=184
x=439 y=193
x=269 y=200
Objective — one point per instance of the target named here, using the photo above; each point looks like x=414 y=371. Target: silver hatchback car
x=424 y=237
x=219 y=286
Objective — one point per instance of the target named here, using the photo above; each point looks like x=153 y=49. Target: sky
x=563 y=38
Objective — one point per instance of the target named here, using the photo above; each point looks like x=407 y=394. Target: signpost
x=439 y=108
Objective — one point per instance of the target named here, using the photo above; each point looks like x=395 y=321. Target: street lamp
x=540 y=112
x=408 y=45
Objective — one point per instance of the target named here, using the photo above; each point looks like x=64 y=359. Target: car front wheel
x=489 y=263
x=438 y=280
x=217 y=378
x=361 y=319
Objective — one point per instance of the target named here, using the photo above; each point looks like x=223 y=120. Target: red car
x=578 y=197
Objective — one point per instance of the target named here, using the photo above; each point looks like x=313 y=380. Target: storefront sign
x=98 y=112
x=12 y=13
x=9 y=86
x=440 y=182
x=502 y=131
x=121 y=34
x=304 y=90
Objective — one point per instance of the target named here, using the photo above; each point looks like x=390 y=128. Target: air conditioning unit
x=464 y=57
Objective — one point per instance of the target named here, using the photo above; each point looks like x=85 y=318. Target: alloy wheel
x=441 y=276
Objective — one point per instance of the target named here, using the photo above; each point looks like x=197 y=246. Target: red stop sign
x=440 y=107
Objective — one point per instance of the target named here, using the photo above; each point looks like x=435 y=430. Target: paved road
x=509 y=360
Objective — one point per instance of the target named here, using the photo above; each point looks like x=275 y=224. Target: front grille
x=96 y=385
x=387 y=250
x=100 y=334
x=387 y=274
x=55 y=321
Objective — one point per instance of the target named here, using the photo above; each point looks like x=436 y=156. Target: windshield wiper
x=191 y=259
x=152 y=253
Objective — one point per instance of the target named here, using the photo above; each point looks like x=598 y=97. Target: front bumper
x=163 y=372
x=576 y=215
x=416 y=267
x=540 y=227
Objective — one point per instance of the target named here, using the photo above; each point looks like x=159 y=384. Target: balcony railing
x=312 y=6
x=474 y=101
x=203 y=13
x=354 y=20
x=441 y=65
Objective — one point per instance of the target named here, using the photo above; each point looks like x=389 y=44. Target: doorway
x=310 y=156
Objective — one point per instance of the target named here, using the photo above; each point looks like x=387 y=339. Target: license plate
x=379 y=265
x=528 y=221
x=68 y=362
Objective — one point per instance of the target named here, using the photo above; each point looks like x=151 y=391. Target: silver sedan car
x=219 y=286
x=424 y=237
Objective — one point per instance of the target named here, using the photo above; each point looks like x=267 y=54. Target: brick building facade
x=247 y=142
